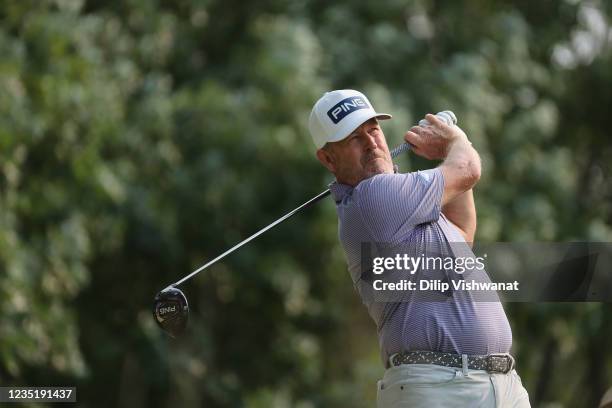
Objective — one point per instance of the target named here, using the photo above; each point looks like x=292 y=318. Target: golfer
x=452 y=353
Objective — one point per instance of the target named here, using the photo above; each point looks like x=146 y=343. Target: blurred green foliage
x=140 y=138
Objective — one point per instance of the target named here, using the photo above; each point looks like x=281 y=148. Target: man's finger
x=419 y=152
x=435 y=121
x=413 y=138
x=419 y=130
x=416 y=128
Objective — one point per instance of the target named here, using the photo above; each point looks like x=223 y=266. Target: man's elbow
x=474 y=171
x=470 y=171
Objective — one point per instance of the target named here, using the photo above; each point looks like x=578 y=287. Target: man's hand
x=433 y=142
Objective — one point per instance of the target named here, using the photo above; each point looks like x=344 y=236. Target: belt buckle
x=392 y=362
x=495 y=361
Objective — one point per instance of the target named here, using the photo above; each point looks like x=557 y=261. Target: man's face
x=363 y=154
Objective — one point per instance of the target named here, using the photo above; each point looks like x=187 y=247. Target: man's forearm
x=461 y=211
x=461 y=169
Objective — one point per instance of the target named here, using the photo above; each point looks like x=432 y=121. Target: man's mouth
x=373 y=158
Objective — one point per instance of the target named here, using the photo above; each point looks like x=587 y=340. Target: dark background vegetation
x=140 y=138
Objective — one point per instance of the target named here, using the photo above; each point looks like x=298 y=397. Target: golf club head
x=170 y=310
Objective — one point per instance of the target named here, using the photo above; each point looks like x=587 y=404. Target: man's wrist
x=459 y=139
x=460 y=136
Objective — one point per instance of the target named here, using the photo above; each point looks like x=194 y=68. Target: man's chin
x=377 y=168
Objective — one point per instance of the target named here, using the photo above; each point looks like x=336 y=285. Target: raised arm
x=461 y=169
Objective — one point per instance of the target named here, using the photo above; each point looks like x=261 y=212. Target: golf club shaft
x=394 y=153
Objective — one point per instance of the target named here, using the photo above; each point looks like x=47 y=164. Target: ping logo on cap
x=346 y=106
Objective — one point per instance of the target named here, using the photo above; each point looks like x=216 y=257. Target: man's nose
x=370 y=143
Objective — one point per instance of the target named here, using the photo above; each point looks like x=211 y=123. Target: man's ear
x=326 y=159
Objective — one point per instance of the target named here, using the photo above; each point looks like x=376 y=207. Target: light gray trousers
x=433 y=386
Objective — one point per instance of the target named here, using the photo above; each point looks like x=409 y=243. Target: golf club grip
x=404 y=147
x=446 y=116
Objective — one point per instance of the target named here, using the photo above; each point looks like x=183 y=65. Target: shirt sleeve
x=393 y=204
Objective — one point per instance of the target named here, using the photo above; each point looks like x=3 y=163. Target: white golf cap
x=338 y=113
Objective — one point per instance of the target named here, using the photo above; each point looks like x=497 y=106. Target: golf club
x=170 y=307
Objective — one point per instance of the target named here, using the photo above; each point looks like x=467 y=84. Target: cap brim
x=343 y=134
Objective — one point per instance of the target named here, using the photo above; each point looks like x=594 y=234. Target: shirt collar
x=339 y=190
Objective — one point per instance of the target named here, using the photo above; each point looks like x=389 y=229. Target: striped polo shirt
x=405 y=209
